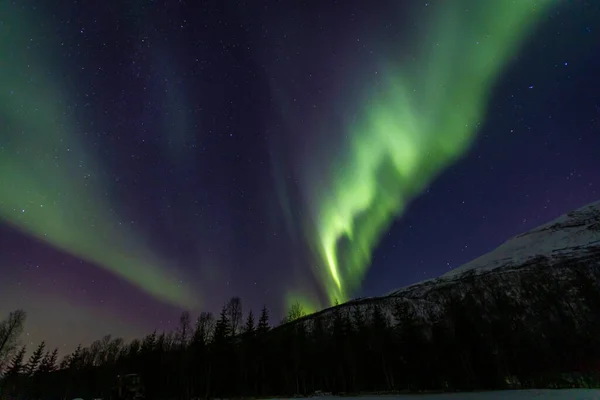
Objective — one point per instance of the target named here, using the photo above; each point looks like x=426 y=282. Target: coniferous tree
x=16 y=366
x=587 y=283
x=263 y=352
x=247 y=356
x=220 y=354
x=223 y=327
x=410 y=345
x=11 y=379
x=48 y=363
x=379 y=342
x=263 y=321
x=320 y=346
x=477 y=336
x=35 y=359
x=359 y=350
x=75 y=361
x=294 y=340
x=249 y=326
x=338 y=349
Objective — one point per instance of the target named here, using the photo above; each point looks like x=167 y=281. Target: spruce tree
x=16 y=366
x=249 y=327
x=263 y=321
x=48 y=363
x=35 y=359
x=10 y=382
x=76 y=359
x=222 y=328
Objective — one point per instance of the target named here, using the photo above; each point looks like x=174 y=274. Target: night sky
x=157 y=156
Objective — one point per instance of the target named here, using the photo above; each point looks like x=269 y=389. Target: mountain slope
x=571 y=236
x=522 y=316
x=557 y=247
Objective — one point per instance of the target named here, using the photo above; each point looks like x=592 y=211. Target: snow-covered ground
x=565 y=394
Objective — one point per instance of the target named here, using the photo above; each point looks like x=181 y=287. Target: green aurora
x=59 y=196
x=421 y=117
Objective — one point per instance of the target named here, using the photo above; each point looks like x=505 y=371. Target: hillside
x=525 y=316
x=572 y=239
x=571 y=236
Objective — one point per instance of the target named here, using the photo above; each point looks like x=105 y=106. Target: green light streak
x=419 y=118
x=50 y=184
x=307 y=303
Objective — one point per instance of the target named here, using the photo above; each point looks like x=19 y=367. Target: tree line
x=537 y=329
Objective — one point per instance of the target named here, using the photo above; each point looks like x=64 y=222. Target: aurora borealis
x=55 y=193
x=156 y=157
x=418 y=118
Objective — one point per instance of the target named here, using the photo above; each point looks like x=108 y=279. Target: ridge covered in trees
x=485 y=338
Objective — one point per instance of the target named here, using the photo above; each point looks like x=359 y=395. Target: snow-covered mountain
x=571 y=239
x=572 y=235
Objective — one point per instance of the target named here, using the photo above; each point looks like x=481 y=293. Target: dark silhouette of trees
x=295 y=312
x=11 y=382
x=263 y=322
x=10 y=330
x=540 y=329
x=35 y=360
x=16 y=364
x=234 y=314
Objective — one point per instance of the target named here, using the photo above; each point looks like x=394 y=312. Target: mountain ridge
x=580 y=228
x=571 y=239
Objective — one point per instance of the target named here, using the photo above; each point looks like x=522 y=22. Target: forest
x=540 y=330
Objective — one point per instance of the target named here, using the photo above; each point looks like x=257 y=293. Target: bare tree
x=295 y=312
x=205 y=326
x=234 y=312
x=10 y=330
x=184 y=329
x=169 y=341
x=113 y=349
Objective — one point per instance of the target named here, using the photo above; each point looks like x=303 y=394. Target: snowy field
x=566 y=394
